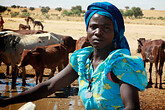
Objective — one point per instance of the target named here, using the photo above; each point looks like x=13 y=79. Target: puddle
x=65 y=99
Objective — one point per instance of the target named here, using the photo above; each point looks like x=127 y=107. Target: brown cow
x=82 y=42
x=28 y=19
x=154 y=52
x=45 y=57
x=35 y=23
x=69 y=42
x=24 y=27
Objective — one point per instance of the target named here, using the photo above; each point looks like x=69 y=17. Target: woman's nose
x=98 y=31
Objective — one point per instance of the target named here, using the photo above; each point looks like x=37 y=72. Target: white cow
x=13 y=44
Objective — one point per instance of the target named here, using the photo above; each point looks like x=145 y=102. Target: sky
x=67 y=4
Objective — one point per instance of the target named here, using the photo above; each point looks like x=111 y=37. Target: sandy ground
x=150 y=99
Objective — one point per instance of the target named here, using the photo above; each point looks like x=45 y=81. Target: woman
x=109 y=77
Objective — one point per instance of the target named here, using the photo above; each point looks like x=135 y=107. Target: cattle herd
x=42 y=49
x=39 y=48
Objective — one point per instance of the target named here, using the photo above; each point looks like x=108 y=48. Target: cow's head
x=69 y=43
x=27 y=57
x=86 y=43
x=140 y=44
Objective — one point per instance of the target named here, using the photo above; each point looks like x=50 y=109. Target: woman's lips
x=97 y=40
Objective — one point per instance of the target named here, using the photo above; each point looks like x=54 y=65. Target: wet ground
x=150 y=99
x=64 y=99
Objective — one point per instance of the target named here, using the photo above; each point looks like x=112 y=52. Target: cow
x=26 y=32
x=69 y=43
x=154 y=52
x=13 y=44
x=35 y=23
x=23 y=32
x=45 y=57
x=24 y=27
x=82 y=42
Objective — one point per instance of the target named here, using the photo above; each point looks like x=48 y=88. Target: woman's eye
x=93 y=27
x=106 y=27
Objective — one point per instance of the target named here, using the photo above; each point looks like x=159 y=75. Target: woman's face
x=100 y=31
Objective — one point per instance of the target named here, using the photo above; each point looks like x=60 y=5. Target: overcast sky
x=67 y=4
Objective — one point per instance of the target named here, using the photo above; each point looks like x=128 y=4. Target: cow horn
x=140 y=42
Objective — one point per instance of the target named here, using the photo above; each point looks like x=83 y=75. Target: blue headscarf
x=111 y=11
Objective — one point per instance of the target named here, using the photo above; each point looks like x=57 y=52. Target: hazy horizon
x=67 y=4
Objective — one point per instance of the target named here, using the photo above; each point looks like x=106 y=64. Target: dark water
x=5 y=86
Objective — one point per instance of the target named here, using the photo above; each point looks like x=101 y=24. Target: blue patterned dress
x=106 y=93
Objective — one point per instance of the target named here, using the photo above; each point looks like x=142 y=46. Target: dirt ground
x=150 y=99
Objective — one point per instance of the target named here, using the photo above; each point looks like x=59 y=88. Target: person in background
x=109 y=77
x=1 y=22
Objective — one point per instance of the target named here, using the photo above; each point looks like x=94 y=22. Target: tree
x=14 y=14
x=58 y=9
x=45 y=10
x=137 y=12
x=152 y=8
x=13 y=6
x=78 y=7
x=126 y=7
x=161 y=18
x=25 y=14
x=65 y=12
x=2 y=9
x=128 y=13
x=18 y=6
x=76 y=12
x=25 y=10
x=31 y=8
